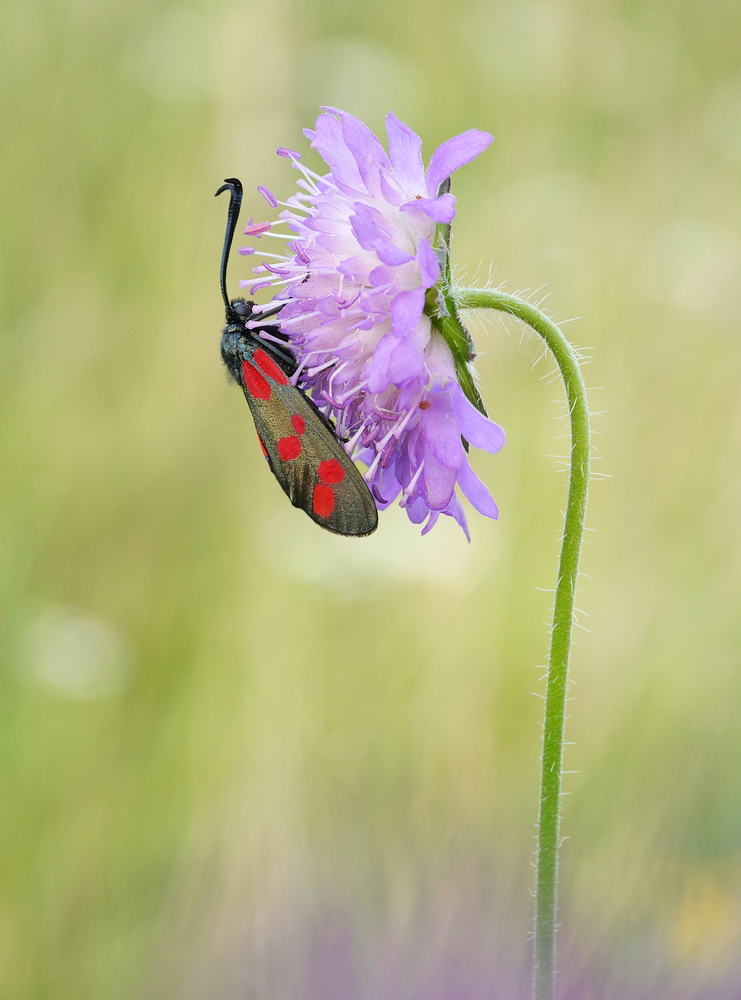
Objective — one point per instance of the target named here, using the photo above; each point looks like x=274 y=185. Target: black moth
x=300 y=444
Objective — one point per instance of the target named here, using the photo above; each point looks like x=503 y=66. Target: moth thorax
x=232 y=349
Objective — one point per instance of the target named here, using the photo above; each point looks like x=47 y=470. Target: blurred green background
x=245 y=759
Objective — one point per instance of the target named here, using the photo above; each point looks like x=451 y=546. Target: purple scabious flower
x=362 y=283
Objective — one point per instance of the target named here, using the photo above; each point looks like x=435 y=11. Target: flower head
x=362 y=285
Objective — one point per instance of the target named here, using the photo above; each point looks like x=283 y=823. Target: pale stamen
x=263 y=335
x=276 y=236
x=394 y=432
x=351 y=445
x=311 y=372
x=304 y=361
x=342 y=400
x=408 y=489
x=264 y=253
x=308 y=186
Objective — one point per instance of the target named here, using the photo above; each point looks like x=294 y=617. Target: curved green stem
x=563 y=613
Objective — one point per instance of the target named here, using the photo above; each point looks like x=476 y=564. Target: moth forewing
x=306 y=457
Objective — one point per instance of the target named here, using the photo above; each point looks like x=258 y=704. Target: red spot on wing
x=289 y=447
x=330 y=471
x=323 y=500
x=255 y=383
x=269 y=366
x=298 y=423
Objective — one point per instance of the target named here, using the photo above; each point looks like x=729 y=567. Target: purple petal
x=373 y=232
x=475 y=491
x=440 y=364
x=381 y=275
x=439 y=482
x=321 y=224
x=328 y=306
x=454 y=153
x=406 y=361
x=379 y=378
x=313 y=287
x=405 y=152
x=365 y=324
x=330 y=144
x=401 y=466
x=428 y=265
x=333 y=244
x=374 y=302
x=431 y=521
x=455 y=510
x=477 y=429
x=406 y=308
x=368 y=225
x=392 y=255
x=417 y=510
x=355 y=267
x=391 y=191
x=440 y=209
x=368 y=152
x=440 y=429
x=421 y=336
x=387 y=484
x=394 y=362
x=292 y=308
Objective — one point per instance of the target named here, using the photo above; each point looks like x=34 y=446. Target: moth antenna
x=234 y=186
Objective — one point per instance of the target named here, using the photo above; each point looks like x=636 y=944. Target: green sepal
x=441 y=308
x=447 y=321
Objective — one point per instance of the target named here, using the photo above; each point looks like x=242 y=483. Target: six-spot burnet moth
x=298 y=441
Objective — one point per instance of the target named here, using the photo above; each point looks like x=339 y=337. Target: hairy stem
x=546 y=899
